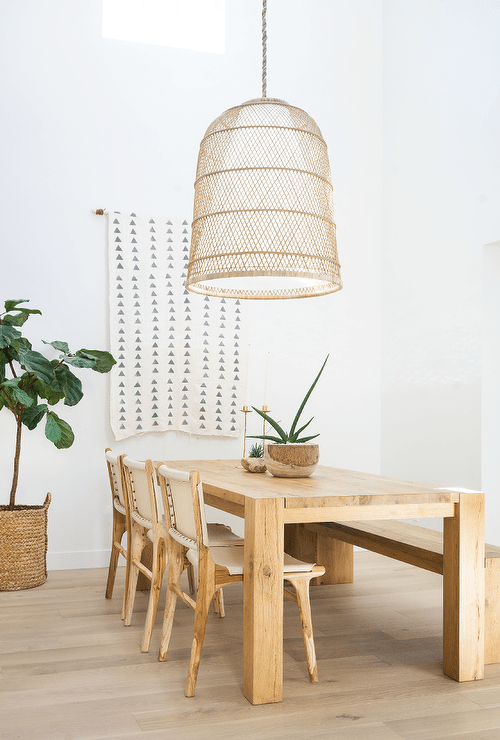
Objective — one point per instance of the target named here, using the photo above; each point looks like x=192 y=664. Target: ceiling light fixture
x=263 y=225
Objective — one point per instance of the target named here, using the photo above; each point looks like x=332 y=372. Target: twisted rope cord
x=264 y=49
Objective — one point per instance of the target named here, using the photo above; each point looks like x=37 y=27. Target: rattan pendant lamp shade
x=263 y=225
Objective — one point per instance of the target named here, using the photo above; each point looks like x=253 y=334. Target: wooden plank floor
x=69 y=670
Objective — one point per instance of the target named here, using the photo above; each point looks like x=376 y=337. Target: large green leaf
x=22 y=315
x=15 y=319
x=11 y=305
x=58 y=431
x=18 y=345
x=8 y=334
x=16 y=393
x=69 y=384
x=36 y=363
x=48 y=392
x=105 y=360
x=77 y=361
x=32 y=416
x=61 y=346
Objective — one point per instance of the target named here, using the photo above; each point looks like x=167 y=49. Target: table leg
x=263 y=601
x=463 y=590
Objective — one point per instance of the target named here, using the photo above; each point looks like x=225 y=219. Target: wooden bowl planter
x=291 y=460
x=23 y=546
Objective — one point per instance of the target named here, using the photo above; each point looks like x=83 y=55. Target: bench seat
x=330 y=543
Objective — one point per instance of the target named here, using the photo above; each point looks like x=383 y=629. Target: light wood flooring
x=69 y=669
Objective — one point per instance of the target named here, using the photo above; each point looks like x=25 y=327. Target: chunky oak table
x=331 y=494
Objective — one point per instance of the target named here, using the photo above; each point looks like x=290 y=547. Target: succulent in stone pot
x=281 y=460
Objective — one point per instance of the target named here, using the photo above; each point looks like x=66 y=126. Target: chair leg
x=175 y=562
x=119 y=528
x=190 y=571
x=136 y=547
x=301 y=586
x=128 y=559
x=218 y=602
x=158 y=569
x=204 y=596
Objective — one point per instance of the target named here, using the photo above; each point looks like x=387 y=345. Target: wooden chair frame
x=212 y=577
x=121 y=525
x=143 y=522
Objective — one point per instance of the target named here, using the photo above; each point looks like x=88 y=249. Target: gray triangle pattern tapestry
x=181 y=358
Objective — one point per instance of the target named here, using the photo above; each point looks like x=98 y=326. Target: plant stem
x=16 y=462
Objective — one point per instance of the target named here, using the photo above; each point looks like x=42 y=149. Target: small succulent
x=256 y=450
x=293 y=436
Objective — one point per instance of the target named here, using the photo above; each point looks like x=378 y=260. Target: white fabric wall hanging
x=181 y=358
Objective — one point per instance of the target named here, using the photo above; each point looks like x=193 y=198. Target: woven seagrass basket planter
x=23 y=546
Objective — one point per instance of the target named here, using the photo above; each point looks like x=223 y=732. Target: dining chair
x=217 y=566
x=120 y=525
x=146 y=526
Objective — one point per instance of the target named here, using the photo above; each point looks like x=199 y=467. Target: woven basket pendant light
x=263 y=225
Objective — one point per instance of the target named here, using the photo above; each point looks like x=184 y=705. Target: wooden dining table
x=268 y=503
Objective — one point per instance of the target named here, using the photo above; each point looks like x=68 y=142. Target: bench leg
x=335 y=556
x=492 y=611
x=463 y=590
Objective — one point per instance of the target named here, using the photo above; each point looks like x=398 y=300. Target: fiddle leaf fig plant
x=31 y=384
x=293 y=436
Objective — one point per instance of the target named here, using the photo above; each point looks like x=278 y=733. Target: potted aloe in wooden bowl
x=290 y=454
x=30 y=386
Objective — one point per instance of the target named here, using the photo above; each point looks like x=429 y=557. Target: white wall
x=441 y=196
x=89 y=122
x=490 y=406
x=406 y=94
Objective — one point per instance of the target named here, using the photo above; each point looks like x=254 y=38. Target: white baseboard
x=82 y=559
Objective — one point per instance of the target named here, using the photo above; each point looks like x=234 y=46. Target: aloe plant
x=293 y=436
x=31 y=384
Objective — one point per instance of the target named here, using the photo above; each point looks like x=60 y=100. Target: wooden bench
x=331 y=544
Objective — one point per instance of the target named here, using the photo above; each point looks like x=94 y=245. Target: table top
x=326 y=487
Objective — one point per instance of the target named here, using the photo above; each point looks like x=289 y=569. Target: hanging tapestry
x=181 y=357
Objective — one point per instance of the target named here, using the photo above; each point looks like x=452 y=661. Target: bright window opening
x=184 y=24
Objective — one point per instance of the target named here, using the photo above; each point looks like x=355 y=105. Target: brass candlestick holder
x=265 y=409
x=245 y=410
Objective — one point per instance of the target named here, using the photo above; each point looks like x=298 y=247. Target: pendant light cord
x=264 y=49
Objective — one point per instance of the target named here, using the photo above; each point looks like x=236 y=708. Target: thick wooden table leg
x=263 y=601
x=463 y=590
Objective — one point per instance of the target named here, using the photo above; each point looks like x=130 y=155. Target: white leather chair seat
x=231 y=557
x=220 y=535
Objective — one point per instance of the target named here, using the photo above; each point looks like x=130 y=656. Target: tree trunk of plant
x=16 y=463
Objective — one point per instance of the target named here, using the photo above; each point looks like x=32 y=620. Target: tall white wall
x=441 y=194
x=406 y=94
x=490 y=426
x=88 y=123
